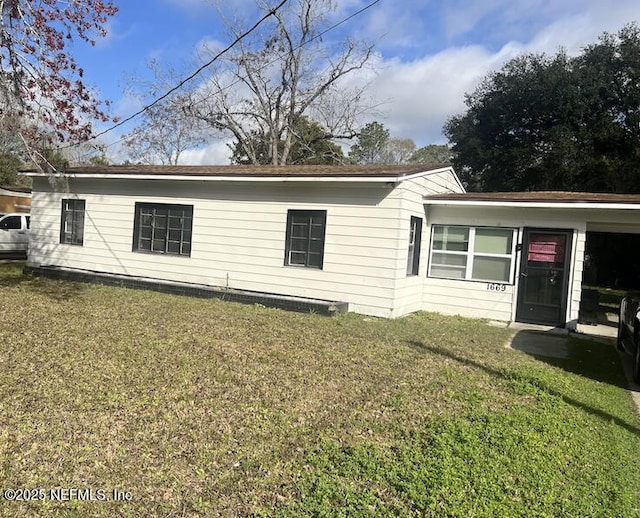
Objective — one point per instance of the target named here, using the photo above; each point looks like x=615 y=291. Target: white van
x=14 y=233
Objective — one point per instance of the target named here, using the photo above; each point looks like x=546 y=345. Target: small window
x=72 y=222
x=11 y=223
x=305 y=238
x=163 y=228
x=480 y=254
x=415 y=237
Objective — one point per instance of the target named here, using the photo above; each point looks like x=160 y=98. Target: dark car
x=629 y=330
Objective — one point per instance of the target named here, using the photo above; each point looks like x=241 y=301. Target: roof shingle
x=538 y=196
x=249 y=171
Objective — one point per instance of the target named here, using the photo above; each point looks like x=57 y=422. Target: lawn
x=194 y=407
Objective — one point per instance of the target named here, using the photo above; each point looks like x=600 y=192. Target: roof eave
x=372 y=178
x=533 y=204
x=235 y=178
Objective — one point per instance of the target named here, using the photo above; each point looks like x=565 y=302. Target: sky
x=429 y=53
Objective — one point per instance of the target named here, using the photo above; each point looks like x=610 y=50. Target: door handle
x=523 y=274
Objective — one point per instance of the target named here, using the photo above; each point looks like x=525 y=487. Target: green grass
x=203 y=407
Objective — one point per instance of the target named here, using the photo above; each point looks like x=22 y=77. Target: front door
x=544 y=276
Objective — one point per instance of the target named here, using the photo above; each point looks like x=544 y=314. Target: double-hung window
x=472 y=253
x=162 y=228
x=415 y=236
x=72 y=222
x=305 y=238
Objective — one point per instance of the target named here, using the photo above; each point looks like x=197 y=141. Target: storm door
x=544 y=276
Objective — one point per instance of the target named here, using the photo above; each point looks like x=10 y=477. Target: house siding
x=473 y=298
x=238 y=236
x=409 y=289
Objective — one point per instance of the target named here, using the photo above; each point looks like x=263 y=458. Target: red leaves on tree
x=39 y=77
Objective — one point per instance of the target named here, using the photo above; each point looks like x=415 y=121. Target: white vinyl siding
x=238 y=237
x=409 y=289
x=239 y=232
x=469 y=299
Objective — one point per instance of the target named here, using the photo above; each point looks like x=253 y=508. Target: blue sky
x=429 y=52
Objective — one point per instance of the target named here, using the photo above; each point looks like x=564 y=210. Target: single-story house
x=348 y=234
x=378 y=240
x=14 y=199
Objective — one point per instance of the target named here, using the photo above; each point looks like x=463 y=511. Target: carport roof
x=548 y=199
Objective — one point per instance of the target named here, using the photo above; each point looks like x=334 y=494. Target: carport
x=545 y=281
x=611 y=268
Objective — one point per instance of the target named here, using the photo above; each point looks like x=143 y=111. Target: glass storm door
x=544 y=276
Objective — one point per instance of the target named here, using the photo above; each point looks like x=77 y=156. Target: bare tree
x=92 y=152
x=165 y=129
x=164 y=133
x=399 y=150
x=281 y=73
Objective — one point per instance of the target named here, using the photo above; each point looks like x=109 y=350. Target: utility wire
x=272 y=12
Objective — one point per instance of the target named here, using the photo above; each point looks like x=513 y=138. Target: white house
x=377 y=240
x=348 y=234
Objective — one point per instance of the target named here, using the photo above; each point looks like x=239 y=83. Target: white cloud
x=453 y=44
x=462 y=16
x=421 y=94
x=215 y=153
x=418 y=97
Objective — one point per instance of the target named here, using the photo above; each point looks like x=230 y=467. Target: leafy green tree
x=371 y=146
x=609 y=74
x=555 y=123
x=12 y=157
x=99 y=160
x=310 y=145
x=432 y=154
x=9 y=165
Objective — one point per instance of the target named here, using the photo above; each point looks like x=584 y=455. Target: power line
x=272 y=12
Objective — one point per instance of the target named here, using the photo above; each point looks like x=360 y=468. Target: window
x=472 y=253
x=72 y=222
x=11 y=223
x=163 y=228
x=305 y=238
x=415 y=236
